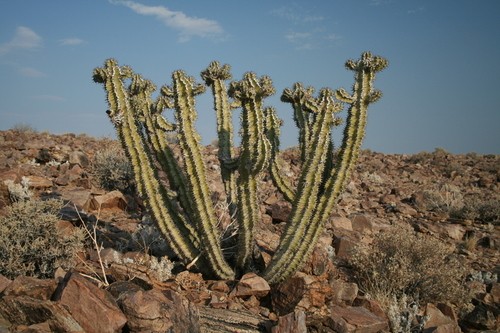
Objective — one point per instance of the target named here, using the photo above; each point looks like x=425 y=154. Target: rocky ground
x=454 y=198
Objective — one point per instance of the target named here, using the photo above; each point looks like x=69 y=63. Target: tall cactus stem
x=184 y=91
x=250 y=92
x=125 y=122
x=215 y=76
x=308 y=188
x=363 y=94
x=273 y=124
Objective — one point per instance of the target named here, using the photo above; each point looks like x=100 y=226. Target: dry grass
x=400 y=262
x=30 y=242
x=112 y=169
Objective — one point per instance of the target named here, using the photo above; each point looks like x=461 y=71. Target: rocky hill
x=451 y=199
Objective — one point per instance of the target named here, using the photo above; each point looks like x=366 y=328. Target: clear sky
x=442 y=87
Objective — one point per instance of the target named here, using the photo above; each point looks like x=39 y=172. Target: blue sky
x=442 y=87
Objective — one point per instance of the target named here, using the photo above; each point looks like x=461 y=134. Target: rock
x=362 y=224
x=219 y=286
x=39 y=182
x=32 y=287
x=344 y=293
x=482 y=317
x=280 y=211
x=339 y=222
x=25 y=310
x=320 y=260
x=80 y=158
x=438 y=322
x=343 y=247
x=93 y=308
x=371 y=305
x=154 y=311
x=77 y=196
x=494 y=291
x=448 y=311
x=114 y=200
x=4 y=283
x=294 y=322
x=287 y=295
x=251 y=284
x=454 y=231
x=355 y=319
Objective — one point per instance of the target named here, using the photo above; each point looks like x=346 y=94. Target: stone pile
x=147 y=294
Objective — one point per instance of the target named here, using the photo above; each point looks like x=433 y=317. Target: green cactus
x=184 y=211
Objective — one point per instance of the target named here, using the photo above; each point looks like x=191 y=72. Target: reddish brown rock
x=154 y=311
x=25 y=310
x=251 y=284
x=77 y=196
x=32 y=287
x=4 y=283
x=39 y=182
x=344 y=246
x=294 y=322
x=355 y=319
x=220 y=286
x=344 y=293
x=494 y=291
x=79 y=158
x=438 y=322
x=280 y=211
x=93 y=308
x=340 y=222
x=362 y=224
x=287 y=295
x=114 y=200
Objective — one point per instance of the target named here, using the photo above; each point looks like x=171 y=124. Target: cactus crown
x=183 y=209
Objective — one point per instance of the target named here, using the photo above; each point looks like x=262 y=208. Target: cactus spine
x=191 y=225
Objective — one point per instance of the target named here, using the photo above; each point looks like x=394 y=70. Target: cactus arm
x=308 y=188
x=299 y=97
x=215 y=76
x=273 y=124
x=126 y=124
x=253 y=159
x=153 y=133
x=363 y=94
x=184 y=91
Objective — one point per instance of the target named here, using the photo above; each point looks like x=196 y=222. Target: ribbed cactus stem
x=126 y=124
x=181 y=205
x=300 y=97
x=184 y=89
x=273 y=124
x=155 y=143
x=250 y=92
x=363 y=94
x=306 y=198
x=215 y=76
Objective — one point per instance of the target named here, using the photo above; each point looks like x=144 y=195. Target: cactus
x=181 y=204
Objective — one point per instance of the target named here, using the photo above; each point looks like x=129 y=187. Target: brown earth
x=142 y=293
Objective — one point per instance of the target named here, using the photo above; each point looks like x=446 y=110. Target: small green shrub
x=400 y=262
x=30 y=242
x=112 y=169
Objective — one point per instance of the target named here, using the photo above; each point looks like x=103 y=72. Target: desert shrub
x=445 y=198
x=24 y=128
x=30 y=242
x=476 y=209
x=403 y=315
x=19 y=192
x=400 y=262
x=112 y=169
